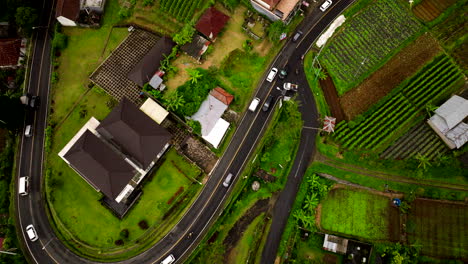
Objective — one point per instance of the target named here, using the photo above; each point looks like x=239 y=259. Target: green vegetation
x=367 y=41
x=243 y=198
x=357 y=213
x=313 y=81
x=374 y=129
x=243 y=70
x=246 y=248
x=181 y=9
x=84 y=222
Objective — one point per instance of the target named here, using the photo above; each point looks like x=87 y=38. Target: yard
x=84 y=222
x=358 y=213
x=440 y=228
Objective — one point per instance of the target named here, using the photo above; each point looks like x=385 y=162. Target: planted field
x=380 y=125
x=404 y=64
x=181 y=9
x=361 y=214
x=367 y=41
x=441 y=228
x=428 y=10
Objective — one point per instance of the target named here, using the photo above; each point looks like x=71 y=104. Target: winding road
x=31 y=209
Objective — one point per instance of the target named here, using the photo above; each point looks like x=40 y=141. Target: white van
x=168 y=260
x=23 y=185
x=28 y=131
x=325 y=5
x=228 y=179
x=253 y=105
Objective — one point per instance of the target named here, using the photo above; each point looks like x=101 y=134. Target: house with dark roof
x=114 y=155
x=282 y=10
x=211 y=23
x=149 y=65
x=196 y=47
x=12 y=52
x=78 y=12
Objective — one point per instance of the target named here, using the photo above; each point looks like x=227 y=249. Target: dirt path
x=386 y=176
x=331 y=96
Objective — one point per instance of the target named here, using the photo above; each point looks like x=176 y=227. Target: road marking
x=302 y=156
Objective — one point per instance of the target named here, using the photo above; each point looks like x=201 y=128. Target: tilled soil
x=331 y=96
x=404 y=64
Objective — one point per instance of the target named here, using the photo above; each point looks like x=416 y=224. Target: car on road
x=297 y=36
x=228 y=179
x=283 y=73
x=31 y=233
x=28 y=131
x=34 y=102
x=23 y=185
x=272 y=74
x=267 y=103
x=253 y=105
x=168 y=260
x=325 y=5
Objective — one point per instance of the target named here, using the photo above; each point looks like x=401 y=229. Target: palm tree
x=174 y=101
x=194 y=74
x=423 y=160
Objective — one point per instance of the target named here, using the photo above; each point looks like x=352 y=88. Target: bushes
x=60 y=41
x=143 y=224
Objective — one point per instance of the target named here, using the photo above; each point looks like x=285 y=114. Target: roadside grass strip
x=366 y=41
x=359 y=213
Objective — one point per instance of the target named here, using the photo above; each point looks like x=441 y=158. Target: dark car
x=267 y=103
x=297 y=36
x=34 y=102
x=283 y=73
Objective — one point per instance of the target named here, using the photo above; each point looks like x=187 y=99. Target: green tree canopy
x=26 y=18
x=185 y=35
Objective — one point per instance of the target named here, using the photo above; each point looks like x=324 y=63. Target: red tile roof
x=9 y=51
x=223 y=96
x=68 y=8
x=211 y=22
x=271 y=3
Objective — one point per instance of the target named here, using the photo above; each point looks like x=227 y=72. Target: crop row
x=369 y=38
x=180 y=9
x=409 y=100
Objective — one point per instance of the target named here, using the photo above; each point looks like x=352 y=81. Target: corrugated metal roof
x=154 y=110
x=453 y=111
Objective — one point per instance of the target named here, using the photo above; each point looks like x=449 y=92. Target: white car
x=31 y=233
x=325 y=5
x=168 y=260
x=272 y=74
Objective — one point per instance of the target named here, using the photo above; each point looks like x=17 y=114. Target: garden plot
x=366 y=41
x=379 y=126
x=360 y=214
x=181 y=9
x=440 y=227
x=428 y=10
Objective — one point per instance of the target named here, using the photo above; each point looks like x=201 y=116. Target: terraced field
x=428 y=10
x=181 y=9
x=366 y=41
x=382 y=123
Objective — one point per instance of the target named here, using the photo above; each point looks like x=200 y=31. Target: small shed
x=154 y=111
x=335 y=244
x=197 y=47
x=449 y=122
x=211 y=23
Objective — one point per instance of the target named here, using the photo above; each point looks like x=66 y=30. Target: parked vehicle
x=290 y=86
x=267 y=103
x=253 y=105
x=28 y=131
x=228 y=179
x=31 y=233
x=168 y=260
x=325 y=5
x=272 y=74
x=297 y=36
x=23 y=185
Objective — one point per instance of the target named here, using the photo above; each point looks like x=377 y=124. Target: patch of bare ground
x=3 y=133
x=403 y=65
x=428 y=10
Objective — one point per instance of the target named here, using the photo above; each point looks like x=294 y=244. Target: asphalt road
x=208 y=206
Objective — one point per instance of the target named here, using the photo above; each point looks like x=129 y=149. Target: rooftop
x=68 y=8
x=9 y=52
x=211 y=22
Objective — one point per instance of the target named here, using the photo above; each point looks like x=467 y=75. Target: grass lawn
x=245 y=248
x=310 y=250
x=92 y=224
x=358 y=213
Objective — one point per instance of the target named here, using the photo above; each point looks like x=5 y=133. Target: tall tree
x=26 y=18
